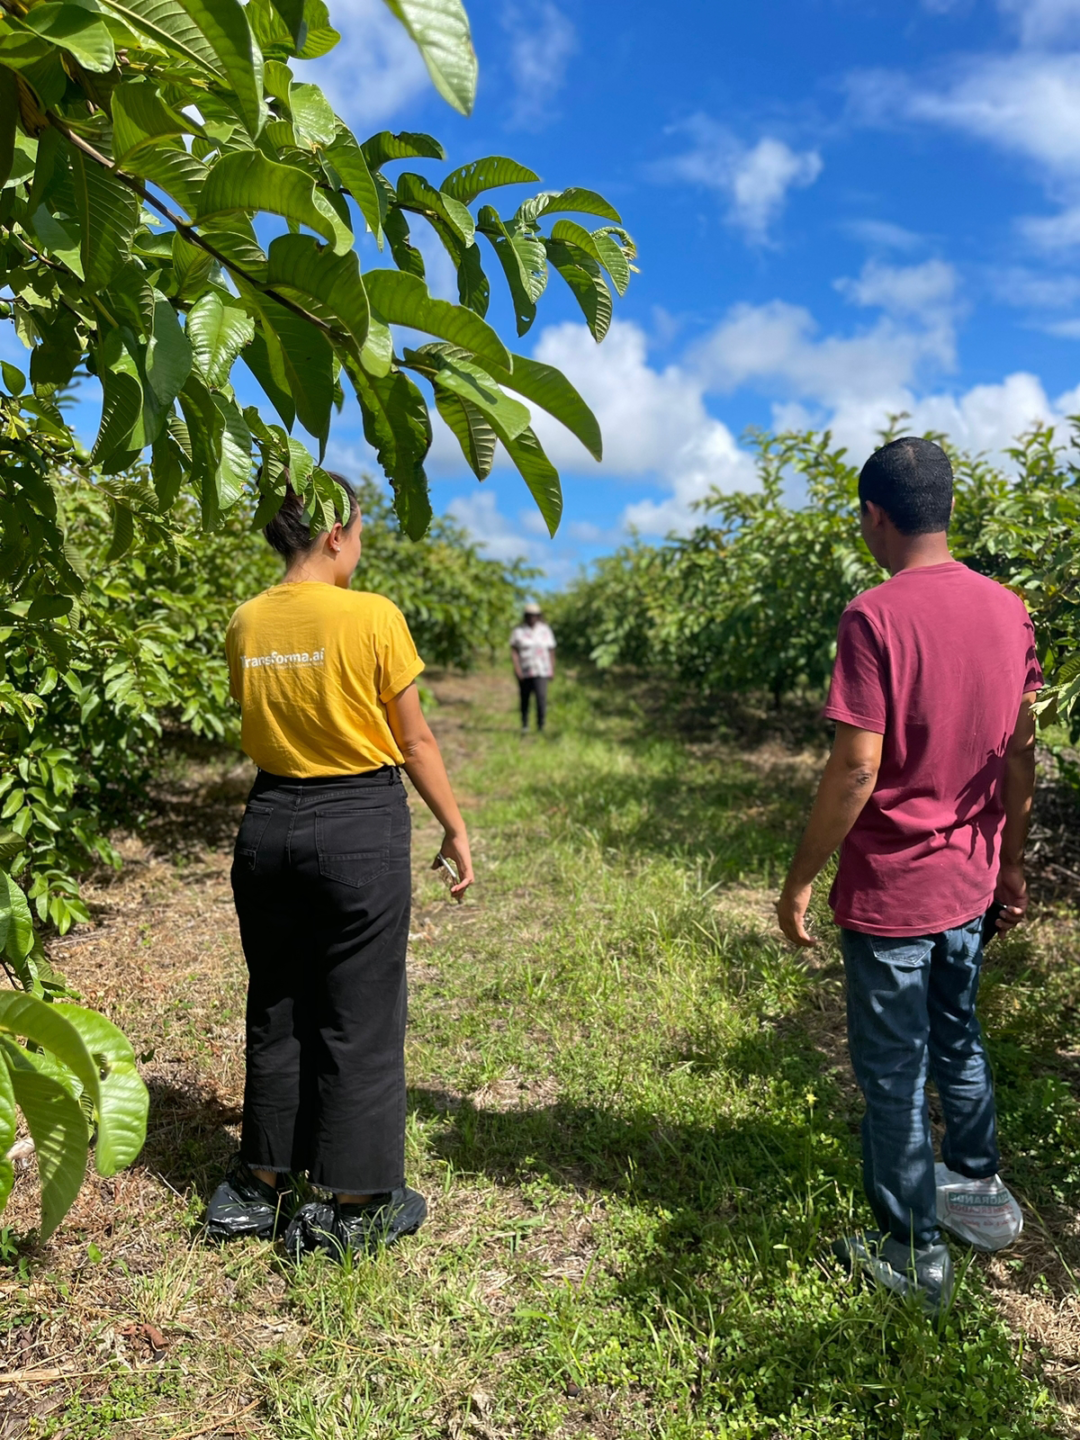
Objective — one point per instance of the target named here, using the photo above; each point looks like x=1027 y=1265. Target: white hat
x=532 y=608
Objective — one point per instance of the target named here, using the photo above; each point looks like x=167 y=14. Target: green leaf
x=9 y=111
x=8 y=1123
x=246 y=180
x=455 y=371
x=347 y=158
x=168 y=355
x=108 y=218
x=123 y=533
x=292 y=13
x=224 y=25
x=473 y=431
x=414 y=192
x=580 y=202
x=78 y=30
x=539 y=474
x=58 y=240
x=10 y=845
x=397 y=426
x=217 y=332
x=470 y=180
x=406 y=256
x=140 y=116
x=14 y=379
x=256 y=357
x=524 y=261
x=172 y=168
x=121 y=411
x=49 y=607
x=313 y=120
x=582 y=274
x=441 y=30
x=169 y=25
x=327 y=285
x=551 y=390
x=32 y=1018
x=16 y=922
x=303 y=364
x=615 y=259
x=235 y=468
x=407 y=145
x=59 y=1131
x=401 y=299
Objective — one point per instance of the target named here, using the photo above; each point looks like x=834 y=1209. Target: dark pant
x=911 y=1010
x=533 y=685
x=321 y=879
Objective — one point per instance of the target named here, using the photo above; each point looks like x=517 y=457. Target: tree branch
x=188 y=230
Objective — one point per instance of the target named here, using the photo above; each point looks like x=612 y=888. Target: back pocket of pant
x=353 y=845
x=252 y=827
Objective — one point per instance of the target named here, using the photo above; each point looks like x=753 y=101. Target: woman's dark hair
x=912 y=481
x=290 y=532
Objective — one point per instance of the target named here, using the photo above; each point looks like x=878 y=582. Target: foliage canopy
x=172 y=201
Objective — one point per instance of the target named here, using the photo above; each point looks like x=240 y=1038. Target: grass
x=631 y=1113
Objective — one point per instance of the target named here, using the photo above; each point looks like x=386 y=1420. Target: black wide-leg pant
x=529 y=685
x=322 y=883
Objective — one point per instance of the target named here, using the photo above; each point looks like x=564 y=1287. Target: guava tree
x=173 y=201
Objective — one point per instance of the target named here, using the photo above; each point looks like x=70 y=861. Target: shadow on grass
x=188 y=1140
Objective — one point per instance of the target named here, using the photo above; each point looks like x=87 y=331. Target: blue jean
x=911 y=1011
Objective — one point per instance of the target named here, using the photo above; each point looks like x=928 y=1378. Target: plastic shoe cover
x=311 y=1228
x=381 y=1221
x=982 y=1213
x=927 y=1273
x=243 y=1205
x=335 y=1228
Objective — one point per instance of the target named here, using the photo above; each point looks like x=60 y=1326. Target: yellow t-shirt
x=313 y=667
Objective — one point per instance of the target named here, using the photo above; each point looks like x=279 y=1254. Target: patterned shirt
x=534 y=644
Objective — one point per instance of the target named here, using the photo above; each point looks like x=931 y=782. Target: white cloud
x=1034 y=289
x=756 y=179
x=375 y=70
x=1043 y=21
x=1052 y=233
x=542 y=42
x=1026 y=103
x=883 y=235
x=925 y=291
x=479 y=513
x=654 y=423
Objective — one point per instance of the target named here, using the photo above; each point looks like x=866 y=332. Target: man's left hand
x=1011 y=892
x=791 y=911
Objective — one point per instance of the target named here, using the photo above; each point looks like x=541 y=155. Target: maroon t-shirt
x=936 y=661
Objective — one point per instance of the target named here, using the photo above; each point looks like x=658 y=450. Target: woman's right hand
x=456 y=850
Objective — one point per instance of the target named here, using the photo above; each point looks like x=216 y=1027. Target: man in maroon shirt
x=927 y=793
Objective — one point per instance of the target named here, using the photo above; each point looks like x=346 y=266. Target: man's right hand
x=1012 y=893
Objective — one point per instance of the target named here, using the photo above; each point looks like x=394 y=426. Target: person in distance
x=928 y=793
x=326 y=680
x=532 y=649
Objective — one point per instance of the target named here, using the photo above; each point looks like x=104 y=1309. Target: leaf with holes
x=469 y=181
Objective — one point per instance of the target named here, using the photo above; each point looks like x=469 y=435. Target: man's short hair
x=912 y=481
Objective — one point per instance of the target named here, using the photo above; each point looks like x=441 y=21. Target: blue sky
x=843 y=208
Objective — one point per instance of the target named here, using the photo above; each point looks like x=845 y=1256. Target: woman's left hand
x=456 y=850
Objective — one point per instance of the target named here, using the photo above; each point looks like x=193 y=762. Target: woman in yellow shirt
x=325 y=676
